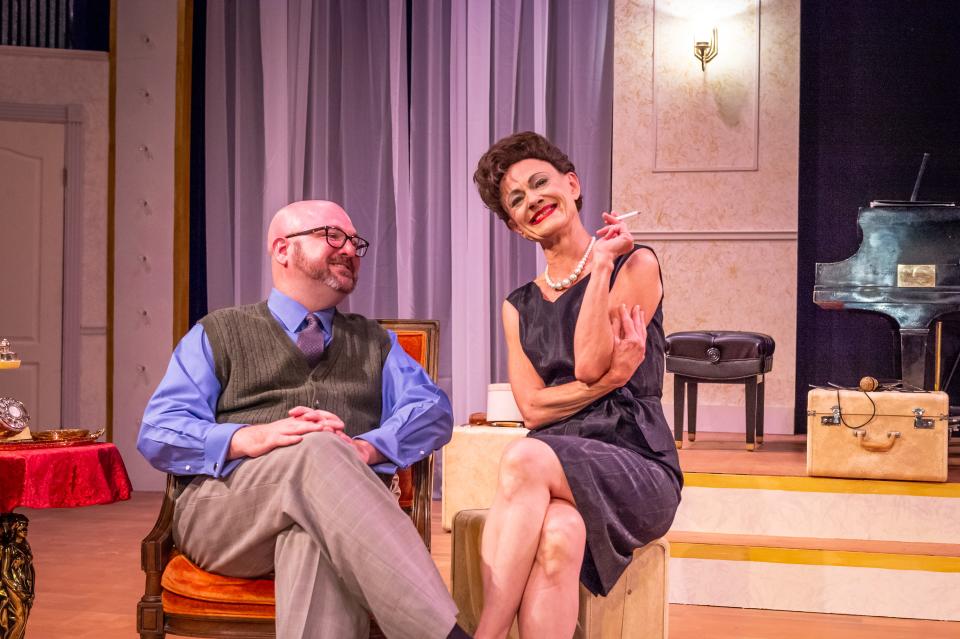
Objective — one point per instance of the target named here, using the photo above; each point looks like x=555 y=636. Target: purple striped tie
x=310 y=340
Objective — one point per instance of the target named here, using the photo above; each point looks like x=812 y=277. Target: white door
x=31 y=264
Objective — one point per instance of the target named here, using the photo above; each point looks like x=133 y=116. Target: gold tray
x=63 y=434
x=74 y=437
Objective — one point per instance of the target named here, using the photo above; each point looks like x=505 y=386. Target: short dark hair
x=507 y=152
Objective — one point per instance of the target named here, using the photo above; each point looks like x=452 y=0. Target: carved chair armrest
x=156 y=547
x=422 y=497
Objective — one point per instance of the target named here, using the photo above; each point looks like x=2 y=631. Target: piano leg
x=913 y=355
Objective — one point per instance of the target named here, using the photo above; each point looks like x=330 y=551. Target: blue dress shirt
x=179 y=433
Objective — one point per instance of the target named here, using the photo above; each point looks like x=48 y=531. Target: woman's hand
x=629 y=344
x=613 y=240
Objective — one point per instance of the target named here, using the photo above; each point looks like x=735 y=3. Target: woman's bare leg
x=530 y=478
x=551 y=598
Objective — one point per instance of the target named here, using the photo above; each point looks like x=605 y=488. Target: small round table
x=46 y=475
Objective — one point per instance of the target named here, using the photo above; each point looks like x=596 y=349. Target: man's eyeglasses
x=337 y=238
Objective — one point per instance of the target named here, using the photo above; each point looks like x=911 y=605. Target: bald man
x=284 y=411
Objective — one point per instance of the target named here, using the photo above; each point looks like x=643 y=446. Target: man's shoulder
x=230 y=312
x=356 y=319
x=364 y=326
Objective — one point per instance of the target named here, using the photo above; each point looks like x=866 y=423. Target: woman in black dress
x=598 y=476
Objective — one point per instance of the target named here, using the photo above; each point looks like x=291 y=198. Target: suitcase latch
x=831 y=420
x=919 y=421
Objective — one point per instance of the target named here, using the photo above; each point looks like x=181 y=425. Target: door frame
x=72 y=117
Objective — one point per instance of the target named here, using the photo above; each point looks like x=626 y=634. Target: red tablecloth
x=62 y=477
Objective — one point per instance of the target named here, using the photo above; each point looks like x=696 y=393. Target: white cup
x=501 y=406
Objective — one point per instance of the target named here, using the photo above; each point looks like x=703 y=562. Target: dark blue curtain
x=878 y=88
x=198 y=213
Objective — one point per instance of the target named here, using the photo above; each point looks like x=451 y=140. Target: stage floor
x=89 y=581
x=780 y=455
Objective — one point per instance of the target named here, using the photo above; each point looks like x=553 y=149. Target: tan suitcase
x=879 y=435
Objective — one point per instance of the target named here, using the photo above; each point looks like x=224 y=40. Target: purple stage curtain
x=385 y=107
x=516 y=100
x=234 y=158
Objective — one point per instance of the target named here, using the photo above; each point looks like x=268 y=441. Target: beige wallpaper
x=54 y=76
x=714 y=106
x=726 y=239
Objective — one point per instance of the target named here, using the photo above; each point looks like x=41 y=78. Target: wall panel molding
x=55 y=113
x=62 y=54
x=714 y=236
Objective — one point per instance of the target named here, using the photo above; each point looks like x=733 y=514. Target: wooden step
x=821 y=575
x=789 y=506
x=822 y=484
x=813 y=543
x=700 y=622
x=783 y=455
x=858 y=553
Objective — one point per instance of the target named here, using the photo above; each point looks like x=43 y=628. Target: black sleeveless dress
x=617 y=453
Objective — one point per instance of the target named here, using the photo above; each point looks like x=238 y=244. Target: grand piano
x=907 y=267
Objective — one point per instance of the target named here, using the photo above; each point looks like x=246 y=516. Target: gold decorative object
x=16 y=576
x=13 y=414
x=66 y=434
x=916 y=275
x=938 y=351
x=706 y=51
x=8 y=359
x=60 y=435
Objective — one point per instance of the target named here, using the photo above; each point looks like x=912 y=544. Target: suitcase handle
x=877 y=447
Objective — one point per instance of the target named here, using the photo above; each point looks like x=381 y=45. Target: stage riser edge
x=908 y=594
x=790 y=513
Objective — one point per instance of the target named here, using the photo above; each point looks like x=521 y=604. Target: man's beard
x=322 y=273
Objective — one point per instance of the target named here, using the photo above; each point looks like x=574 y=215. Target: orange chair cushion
x=414 y=344
x=174 y=604
x=189 y=589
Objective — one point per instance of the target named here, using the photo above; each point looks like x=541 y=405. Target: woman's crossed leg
x=533 y=543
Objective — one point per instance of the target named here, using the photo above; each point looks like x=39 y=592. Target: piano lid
x=907 y=265
x=908 y=203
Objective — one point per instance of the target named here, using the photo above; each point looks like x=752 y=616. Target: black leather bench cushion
x=719 y=354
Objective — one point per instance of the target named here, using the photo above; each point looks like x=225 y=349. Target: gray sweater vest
x=263 y=374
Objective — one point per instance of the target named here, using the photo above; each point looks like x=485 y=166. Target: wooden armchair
x=182 y=599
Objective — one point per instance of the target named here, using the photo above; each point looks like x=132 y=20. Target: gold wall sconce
x=706 y=51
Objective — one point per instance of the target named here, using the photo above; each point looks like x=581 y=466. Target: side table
x=471 y=462
x=46 y=475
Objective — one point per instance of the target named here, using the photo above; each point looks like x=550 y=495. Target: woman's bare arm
x=637 y=284
x=540 y=404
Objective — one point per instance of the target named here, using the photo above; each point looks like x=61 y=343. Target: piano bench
x=718 y=357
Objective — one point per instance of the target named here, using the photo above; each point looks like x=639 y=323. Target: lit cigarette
x=627 y=216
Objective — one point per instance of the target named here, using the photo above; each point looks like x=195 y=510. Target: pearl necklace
x=570 y=279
